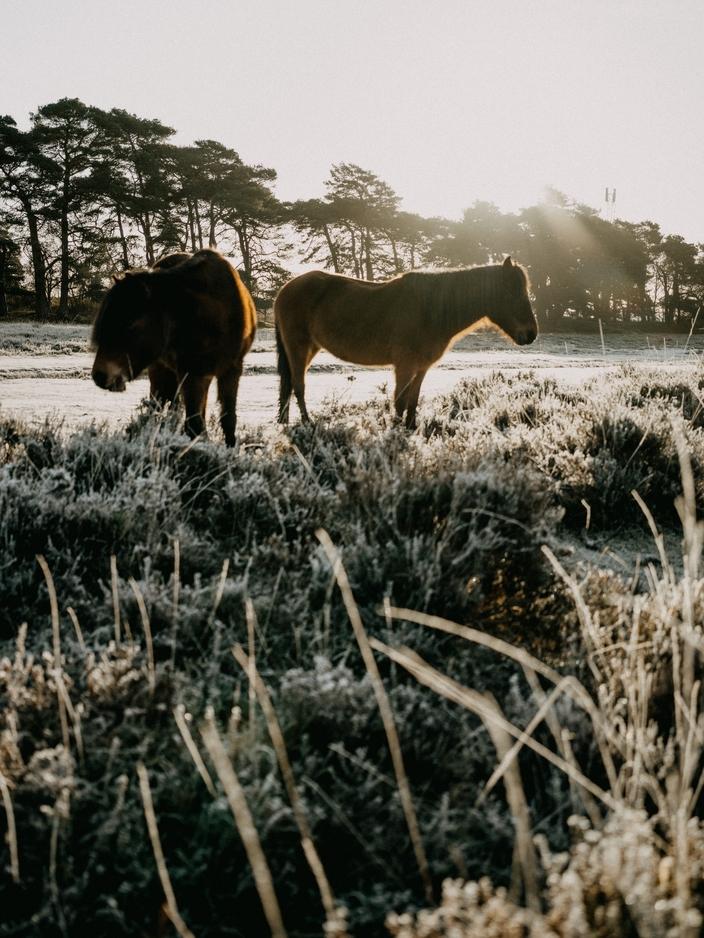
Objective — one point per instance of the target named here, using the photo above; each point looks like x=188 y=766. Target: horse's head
x=128 y=332
x=514 y=314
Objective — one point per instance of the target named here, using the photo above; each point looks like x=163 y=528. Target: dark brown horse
x=408 y=322
x=188 y=320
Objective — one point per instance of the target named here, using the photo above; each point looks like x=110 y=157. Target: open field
x=214 y=548
x=45 y=371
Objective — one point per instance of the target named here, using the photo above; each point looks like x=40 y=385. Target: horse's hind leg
x=195 y=397
x=300 y=358
x=228 y=384
x=285 y=392
x=299 y=389
x=283 y=367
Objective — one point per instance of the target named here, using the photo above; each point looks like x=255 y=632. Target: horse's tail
x=284 y=368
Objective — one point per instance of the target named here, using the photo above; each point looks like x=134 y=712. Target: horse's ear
x=136 y=276
x=193 y=263
x=194 y=270
x=508 y=262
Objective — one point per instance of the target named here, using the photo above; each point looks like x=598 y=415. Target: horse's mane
x=449 y=293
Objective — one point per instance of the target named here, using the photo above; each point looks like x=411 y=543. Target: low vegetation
x=133 y=562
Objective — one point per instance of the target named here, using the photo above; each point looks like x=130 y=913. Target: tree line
x=85 y=192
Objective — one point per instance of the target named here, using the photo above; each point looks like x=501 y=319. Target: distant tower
x=609 y=204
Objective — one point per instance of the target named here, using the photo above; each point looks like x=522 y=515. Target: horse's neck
x=471 y=300
x=163 y=301
x=165 y=288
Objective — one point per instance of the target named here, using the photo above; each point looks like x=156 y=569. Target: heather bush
x=593 y=445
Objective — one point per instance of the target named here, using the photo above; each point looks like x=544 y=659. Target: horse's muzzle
x=115 y=382
x=526 y=336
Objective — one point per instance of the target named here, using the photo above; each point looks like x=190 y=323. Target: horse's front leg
x=163 y=384
x=228 y=384
x=412 y=398
x=195 y=397
x=404 y=380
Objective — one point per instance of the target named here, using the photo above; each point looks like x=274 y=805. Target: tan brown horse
x=408 y=322
x=188 y=320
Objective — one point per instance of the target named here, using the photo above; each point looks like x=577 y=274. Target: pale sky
x=447 y=100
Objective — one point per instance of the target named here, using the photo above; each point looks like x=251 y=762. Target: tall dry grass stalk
x=220 y=589
x=56 y=647
x=175 y=597
x=252 y=665
x=657 y=536
x=604 y=734
x=181 y=719
x=73 y=712
x=11 y=829
x=177 y=578
x=59 y=813
x=171 y=908
x=335 y=916
x=384 y=709
x=115 y=597
x=76 y=627
x=54 y=605
x=691 y=330
x=511 y=753
x=524 y=854
x=486 y=711
x=245 y=825
x=146 y=624
x=686 y=789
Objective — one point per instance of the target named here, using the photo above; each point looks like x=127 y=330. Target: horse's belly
x=359 y=355
x=362 y=347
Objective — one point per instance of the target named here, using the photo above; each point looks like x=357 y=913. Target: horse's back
x=215 y=310
x=213 y=278
x=353 y=319
x=306 y=290
x=171 y=260
x=318 y=290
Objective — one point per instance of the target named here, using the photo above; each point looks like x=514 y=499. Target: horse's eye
x=137 y=325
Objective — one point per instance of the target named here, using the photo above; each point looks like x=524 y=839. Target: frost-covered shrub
x=611 y=883
x=592 y=445
x=450 y=520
